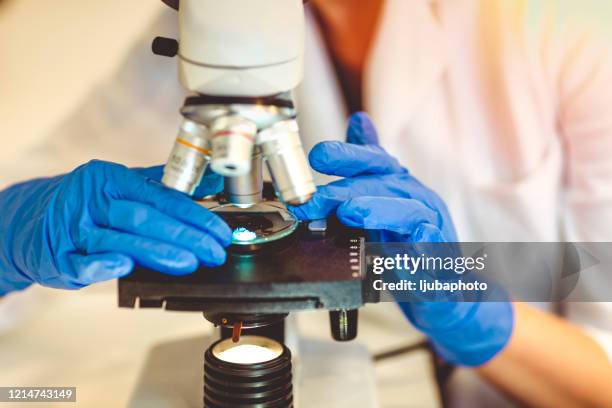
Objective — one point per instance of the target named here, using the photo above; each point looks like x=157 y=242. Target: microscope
x=241 y=59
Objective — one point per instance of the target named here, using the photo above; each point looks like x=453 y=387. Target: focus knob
x=343 y=324
x=167 y=47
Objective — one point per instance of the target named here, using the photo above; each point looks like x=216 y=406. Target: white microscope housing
x=241 y=59
x=241 y=47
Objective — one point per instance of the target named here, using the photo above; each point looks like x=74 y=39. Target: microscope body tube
x=241 y=48
x=188 y=159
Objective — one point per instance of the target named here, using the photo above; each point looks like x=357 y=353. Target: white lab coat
x=499 y=106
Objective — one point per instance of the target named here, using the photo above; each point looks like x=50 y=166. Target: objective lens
x=188 y=159
x=233 y=139
x=254 y=373
x=246 y=190
x=286 y=160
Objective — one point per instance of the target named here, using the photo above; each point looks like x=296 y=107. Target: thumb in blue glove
x=379 y=195
x=95 y=223
x=211 y=183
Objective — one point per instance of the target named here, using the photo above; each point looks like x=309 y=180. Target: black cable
x=442 y=369
x=422 y=345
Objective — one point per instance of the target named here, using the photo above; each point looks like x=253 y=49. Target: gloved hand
x=379 y=195
x=94 y=223
x=211 y=183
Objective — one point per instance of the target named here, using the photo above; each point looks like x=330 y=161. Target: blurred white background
x=52 y=52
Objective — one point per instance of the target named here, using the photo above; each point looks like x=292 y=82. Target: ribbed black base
x=261 y=385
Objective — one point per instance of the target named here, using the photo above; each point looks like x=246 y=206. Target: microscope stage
x=307 y=270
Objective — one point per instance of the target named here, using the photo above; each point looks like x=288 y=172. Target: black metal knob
x=172 y=3
x=167 y=47
x=343 y=324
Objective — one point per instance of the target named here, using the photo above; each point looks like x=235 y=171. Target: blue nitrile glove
x=211 y=183
x=94 y=223
x=378 y=194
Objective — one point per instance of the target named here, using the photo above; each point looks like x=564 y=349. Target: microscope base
x=326 y=375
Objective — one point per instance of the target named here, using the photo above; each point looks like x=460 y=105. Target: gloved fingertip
x=426 y=232
x=123 y=265
x=319 y=156
x=217 y=257
x=298 y=213
x=352 y=213
x=313 y=210
x=308 y=211
x=179 y=263
x=217 y=254
x=225 y=240
x=361 y=130
x=222 y=233
x=350 y=220
x=336 y=158
x=154 y=173
x=183 y=271
x=101 y=267
x=211 y=183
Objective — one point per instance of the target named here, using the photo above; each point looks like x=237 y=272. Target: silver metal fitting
x=188 y=159
x=227 y=136
x=286 y=160
x=232 y=142
x=247 y=190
